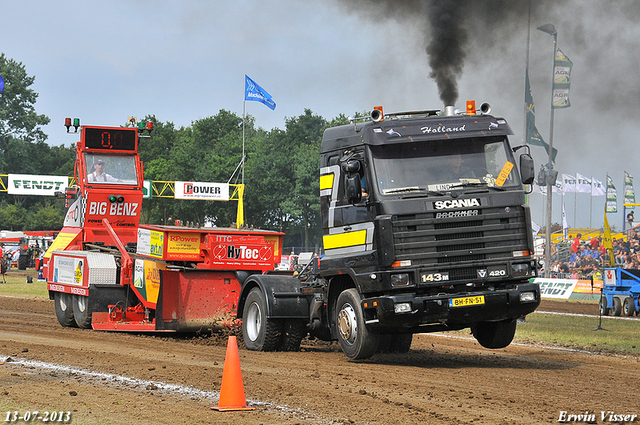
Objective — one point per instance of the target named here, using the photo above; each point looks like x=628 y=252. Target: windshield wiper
x=477 y=184
x=403 y=189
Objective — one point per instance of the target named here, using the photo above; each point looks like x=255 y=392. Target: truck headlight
x=400 y=279
x=402 y=308
x=520 y=269
x=527 y=297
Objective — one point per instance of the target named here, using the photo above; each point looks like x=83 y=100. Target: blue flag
x=1 y=85
x=253 y=91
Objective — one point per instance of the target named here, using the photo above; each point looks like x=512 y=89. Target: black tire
x=628 y=307
x=292 y=334
x=604 y=310
x=64 y=309
x=494 y=334
x=355 y=339
x=23 y=261
x=617 y=306
x=395 y=343
x=82 y=312
x=258 y=332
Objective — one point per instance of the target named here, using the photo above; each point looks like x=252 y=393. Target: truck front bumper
x=450 y=311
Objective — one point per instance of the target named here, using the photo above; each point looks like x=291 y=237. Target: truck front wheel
x=64 y=309
x=494 y=334
x=81 y=311
x=353 y=336
x=258 y=332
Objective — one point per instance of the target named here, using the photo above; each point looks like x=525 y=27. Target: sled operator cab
x=109 y=177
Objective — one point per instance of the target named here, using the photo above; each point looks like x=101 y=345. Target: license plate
x=466 y=301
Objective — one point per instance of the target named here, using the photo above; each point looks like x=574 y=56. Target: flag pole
x=550 y=29
x=244 y=111
x=526 y=68
x=575 y=202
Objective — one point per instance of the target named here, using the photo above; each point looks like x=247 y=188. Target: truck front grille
x=459 y=244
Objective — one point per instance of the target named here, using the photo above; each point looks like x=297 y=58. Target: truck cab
x=425 y=229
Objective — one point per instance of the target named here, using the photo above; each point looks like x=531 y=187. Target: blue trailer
x=620 y=292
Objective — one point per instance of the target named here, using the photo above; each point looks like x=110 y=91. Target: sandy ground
x=115 y=378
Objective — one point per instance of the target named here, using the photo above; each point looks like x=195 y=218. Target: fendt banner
x=29 y=184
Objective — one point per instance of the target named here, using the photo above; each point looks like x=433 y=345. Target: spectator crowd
x=584 y=258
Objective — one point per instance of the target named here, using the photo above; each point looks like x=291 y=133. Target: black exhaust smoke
x=446 y=47
x=446 y=25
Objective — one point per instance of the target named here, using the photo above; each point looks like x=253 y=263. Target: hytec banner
x=561 y=80
x=612 y=197
x=252 y=91
x=200 y=190
x=629 y=194
x=28 y=184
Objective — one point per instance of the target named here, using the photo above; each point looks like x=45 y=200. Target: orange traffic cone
x=232 y=390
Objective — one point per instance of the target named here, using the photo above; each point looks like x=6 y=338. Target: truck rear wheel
x=604 y=310
x=494 y=334
x=628 y=307
x=82 y=312
x=617 y=306
x=258 y=332
x=353 y=336
x=64 y=309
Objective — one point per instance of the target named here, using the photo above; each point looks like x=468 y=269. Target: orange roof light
x=471 y=107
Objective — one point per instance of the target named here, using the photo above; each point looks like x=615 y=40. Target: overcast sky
x=103 y=61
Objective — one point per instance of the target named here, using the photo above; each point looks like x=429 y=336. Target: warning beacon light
x=76 y=124
x=142 y=126
x=471 y=107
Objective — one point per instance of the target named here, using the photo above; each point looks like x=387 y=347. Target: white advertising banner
x=28 y=184
x=556 y=288
x=199 y=190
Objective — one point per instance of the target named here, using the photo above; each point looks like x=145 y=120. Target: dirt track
x=442 y=380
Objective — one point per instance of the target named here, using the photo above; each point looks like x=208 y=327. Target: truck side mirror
x=527 y=170
x=351 y=166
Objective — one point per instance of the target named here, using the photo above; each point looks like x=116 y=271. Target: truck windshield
x=444 y=165
x=112 y=169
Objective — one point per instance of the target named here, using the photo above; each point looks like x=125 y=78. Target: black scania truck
x=425 y=229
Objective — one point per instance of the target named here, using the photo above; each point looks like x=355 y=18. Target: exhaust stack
x=449 y=111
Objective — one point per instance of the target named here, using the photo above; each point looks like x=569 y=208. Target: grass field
x=579 y=332
x=621 y=336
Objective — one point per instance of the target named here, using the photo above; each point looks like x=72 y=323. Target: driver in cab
x=454 y=169
x=99 y=175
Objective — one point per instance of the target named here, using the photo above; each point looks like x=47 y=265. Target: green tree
x=18 y=118
x=13 y=217
x=47 y=218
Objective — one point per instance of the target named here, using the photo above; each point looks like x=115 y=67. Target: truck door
x=346 y=219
